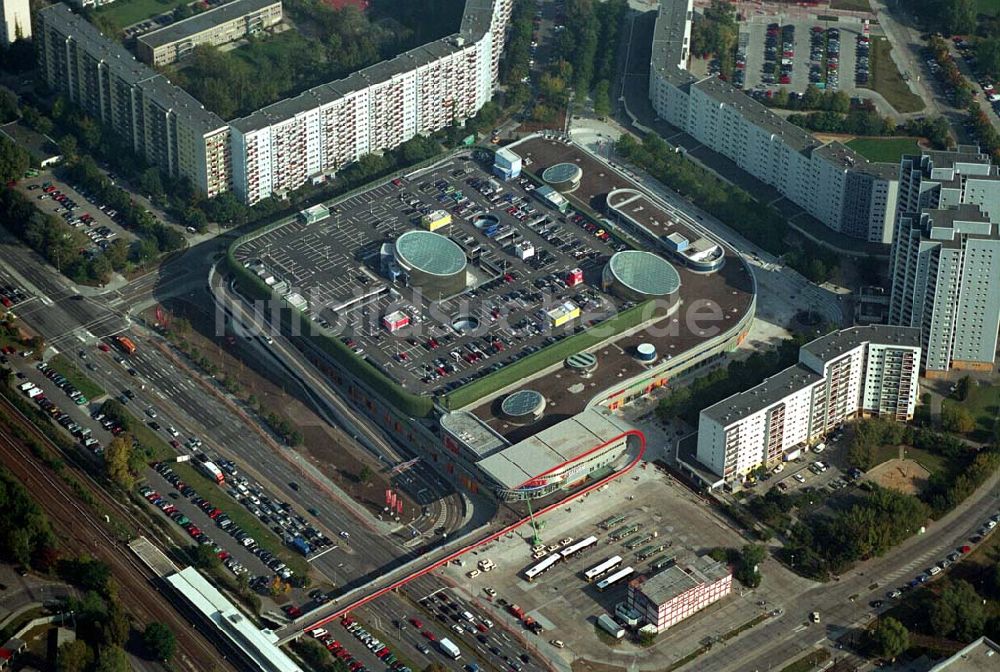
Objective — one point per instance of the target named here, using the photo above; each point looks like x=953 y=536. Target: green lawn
x=984 y=405
x=989 y=7
x=852 y=5
x=886 y=79
x=126 y=12
x=77 y=379
x=884 y=150
x=526 y=367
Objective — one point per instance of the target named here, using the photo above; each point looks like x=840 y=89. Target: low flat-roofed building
x=552 y=198
x=561 y=456
x=507 y=164
x=222 y=25
x=982 y=655
x=42 y=149
x=258 y=647
x=315 y=213
x=665 y=599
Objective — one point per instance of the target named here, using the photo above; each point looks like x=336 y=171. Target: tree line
x=715 y=32
x=587 y=49
x=952 y=17
x=760 y=223
x=334 y=44
x=102 y=626
x=821 y=545
x=966 y=467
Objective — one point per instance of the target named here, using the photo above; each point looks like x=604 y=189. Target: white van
x=468 y=616
x=319 y=632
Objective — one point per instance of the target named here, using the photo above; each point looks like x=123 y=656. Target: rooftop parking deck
x=706 y=305
x=340 y=272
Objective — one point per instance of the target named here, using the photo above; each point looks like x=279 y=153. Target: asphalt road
x=788 y=636
x=64 y=317
x=183 y=402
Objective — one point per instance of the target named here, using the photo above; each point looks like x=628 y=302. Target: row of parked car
x=279 y=515
x=225 y=523
x=984 y=530
x=378 y=648
x=82 y=434
x=10 y=296
x=63 y=384
x=862 y=65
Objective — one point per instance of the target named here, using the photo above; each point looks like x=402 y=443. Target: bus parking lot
x=648 y=520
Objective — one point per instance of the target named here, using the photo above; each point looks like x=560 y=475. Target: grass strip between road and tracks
x=240 y=516
x=807 y=662
x=62 y=365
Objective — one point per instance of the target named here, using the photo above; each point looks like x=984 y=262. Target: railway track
x=80 y=529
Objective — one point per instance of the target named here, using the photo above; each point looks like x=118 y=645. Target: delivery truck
x=449 y=649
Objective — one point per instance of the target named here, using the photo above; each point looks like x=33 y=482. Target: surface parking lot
x=822 y=53
x=56 y=197
x=806 y=471
x=565 y=604
x=335 y=266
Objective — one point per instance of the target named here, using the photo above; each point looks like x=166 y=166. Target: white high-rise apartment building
x=869 y=370
x=162 y=123
x=945 y=267
x=285 y=145
x=833 y=183
x=311 y=136
x=16 y=20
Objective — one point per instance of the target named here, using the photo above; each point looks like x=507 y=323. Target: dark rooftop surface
x=731 y=288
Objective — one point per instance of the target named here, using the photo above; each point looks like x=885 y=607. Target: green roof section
x=645 y=272
x=430 y=253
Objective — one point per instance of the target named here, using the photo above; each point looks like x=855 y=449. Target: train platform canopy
x=552 y=448
x=259 y=645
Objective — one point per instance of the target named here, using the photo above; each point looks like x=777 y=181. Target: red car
x=292 y=610
x=429 y=635
x=103 y=347
x=417 y=623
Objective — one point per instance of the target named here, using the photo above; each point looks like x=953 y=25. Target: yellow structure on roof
x=564 y=313
x=433 y=221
